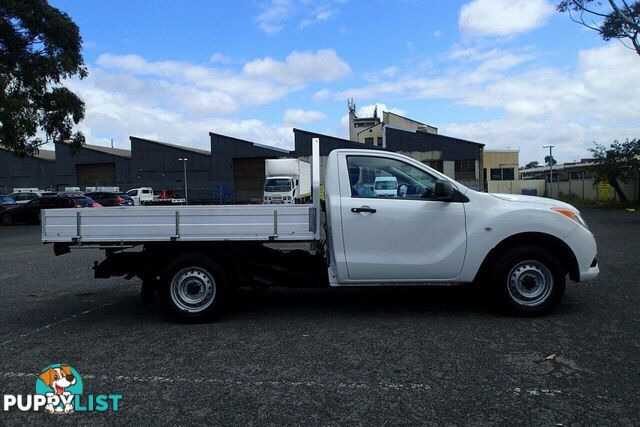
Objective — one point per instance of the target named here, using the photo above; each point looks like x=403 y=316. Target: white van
x=385 y=186
x=141 y=196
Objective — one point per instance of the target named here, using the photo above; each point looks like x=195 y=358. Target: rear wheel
x=194 y=288
x=528 y=280
x=7 y=219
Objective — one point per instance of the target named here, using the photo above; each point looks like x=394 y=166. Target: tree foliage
x=40 y=47
x=533 y=164
x=618 y=163
x=548 y=160
x=612 y=19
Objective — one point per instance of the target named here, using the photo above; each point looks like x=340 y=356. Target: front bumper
x=583 y=244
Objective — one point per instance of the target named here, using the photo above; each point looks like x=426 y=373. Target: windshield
x=277 y=184
x=6 y=200
x=386 y=185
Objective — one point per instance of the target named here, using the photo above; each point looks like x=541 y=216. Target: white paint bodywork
x=406 y=241
x=178 y=223
x=417 y=241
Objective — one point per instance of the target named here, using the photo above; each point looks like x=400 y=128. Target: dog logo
x=60 y=384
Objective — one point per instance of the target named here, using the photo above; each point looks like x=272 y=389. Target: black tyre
x=528 y=280
x=194 y=288
x=7 y=219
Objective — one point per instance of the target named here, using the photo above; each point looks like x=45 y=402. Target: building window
x=465 y=169
x=502 y=174
x=368 y=141
x=379 y=141
x=435 y=164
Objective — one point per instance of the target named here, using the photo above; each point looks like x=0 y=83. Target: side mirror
x=443 y=190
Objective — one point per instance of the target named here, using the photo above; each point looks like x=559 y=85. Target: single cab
x=426 y=230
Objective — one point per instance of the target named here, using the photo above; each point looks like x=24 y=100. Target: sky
x=506 y=73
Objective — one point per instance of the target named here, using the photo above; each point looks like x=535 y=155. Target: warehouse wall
x=26 y=171
x=224 y=149
x=67 y=170
x=155 y=164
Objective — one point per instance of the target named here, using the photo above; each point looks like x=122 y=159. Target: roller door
x=96 y=175
x=248 y=178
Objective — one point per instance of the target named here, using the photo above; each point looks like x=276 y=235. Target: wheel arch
x=546 y=241
x=225 y=254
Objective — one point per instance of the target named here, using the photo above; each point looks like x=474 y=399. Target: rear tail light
x=96 y=205
x=120 y=200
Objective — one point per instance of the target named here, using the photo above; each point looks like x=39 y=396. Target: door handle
x=363 y=209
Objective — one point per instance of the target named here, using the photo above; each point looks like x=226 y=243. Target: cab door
x=407 y=236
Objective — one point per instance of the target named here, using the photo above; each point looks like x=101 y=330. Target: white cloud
x=181 y=102
x=598 y=100
x=276 y=14
x=299 y=67
x=503 y=17
x=297 y=116
x=321 y=13
x=367 y=110
x=220 y=58
x=261 y=81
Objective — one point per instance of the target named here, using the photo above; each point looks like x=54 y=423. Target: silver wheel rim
x=530 y=283
x=193 y=289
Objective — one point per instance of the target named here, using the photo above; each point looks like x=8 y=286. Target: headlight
x=571 y=214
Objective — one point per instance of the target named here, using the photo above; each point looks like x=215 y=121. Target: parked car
x=165 y=194
x=141 y=196
x=111 y=198
x=167 y=197
x=29 y=212
x=517 y=251
x=7 y=202
x=22 y=197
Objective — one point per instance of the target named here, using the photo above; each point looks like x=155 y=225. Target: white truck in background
x=517 y=250
x=287 y=181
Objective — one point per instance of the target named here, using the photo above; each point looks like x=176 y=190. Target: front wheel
x=528 y=280
x=194 y=288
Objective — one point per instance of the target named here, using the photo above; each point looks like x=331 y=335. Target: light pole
x=550 y=147
x=186 y=194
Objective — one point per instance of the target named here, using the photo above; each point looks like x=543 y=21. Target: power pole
x=550 y=147
x=186 y=194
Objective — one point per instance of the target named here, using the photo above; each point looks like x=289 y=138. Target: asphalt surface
x=327 y=356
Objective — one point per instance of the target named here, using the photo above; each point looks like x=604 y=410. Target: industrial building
x=232 y=171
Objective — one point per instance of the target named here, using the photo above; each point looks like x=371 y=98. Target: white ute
x=518 y=249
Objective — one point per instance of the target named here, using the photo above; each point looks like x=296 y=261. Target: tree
x=40 y=46
x=618 y=19
x=533 y=164
x=618 y=163
x=548 y=160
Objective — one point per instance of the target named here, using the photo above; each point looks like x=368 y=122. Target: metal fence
x=516 y=186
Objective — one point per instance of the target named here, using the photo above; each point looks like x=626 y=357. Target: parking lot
x=327 y=356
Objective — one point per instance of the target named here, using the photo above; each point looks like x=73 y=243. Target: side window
x=379 y=177
x=146 y=192
x=132 y=192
